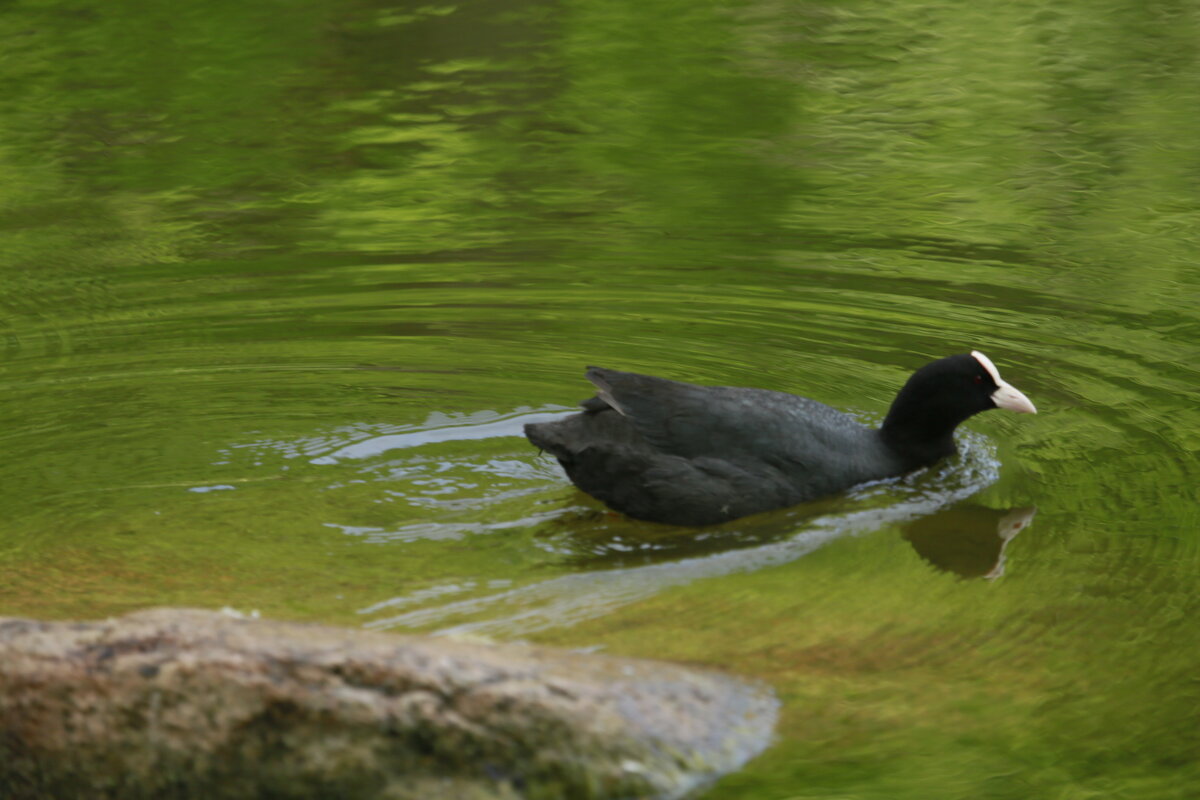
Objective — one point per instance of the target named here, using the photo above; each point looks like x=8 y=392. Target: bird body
x=684 y=454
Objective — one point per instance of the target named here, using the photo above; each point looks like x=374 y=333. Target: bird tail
x=545 y=436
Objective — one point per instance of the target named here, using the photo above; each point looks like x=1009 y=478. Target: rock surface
x=178 y=703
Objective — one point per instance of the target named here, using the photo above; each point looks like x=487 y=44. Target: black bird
x=683 y=454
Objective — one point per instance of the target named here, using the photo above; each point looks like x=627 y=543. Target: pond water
x=281 y=281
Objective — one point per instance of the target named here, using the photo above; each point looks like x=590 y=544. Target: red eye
x=979 y=379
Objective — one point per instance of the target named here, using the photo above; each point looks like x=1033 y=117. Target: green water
x=280 y=281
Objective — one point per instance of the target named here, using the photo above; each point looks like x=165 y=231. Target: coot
x=682 y=454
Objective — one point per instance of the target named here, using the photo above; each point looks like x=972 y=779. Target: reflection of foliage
x=1029 y=125
x=444 y=127
x=286 y=217
x=613 y=131
x=141 y=119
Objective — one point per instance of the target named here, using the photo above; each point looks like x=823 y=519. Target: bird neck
x=920 y=434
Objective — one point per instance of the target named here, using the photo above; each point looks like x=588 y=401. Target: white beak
x=1008 y=397
x=1005 y=395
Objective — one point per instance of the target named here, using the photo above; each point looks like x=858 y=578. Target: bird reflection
x=968 y=539
x=618 y=566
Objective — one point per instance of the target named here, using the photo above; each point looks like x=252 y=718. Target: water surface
x=282 y=281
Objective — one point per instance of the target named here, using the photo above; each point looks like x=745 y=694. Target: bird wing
x=693 y=421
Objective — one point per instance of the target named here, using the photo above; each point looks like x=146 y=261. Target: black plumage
x=684 y=454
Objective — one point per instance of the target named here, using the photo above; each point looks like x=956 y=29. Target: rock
x=178 y=703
